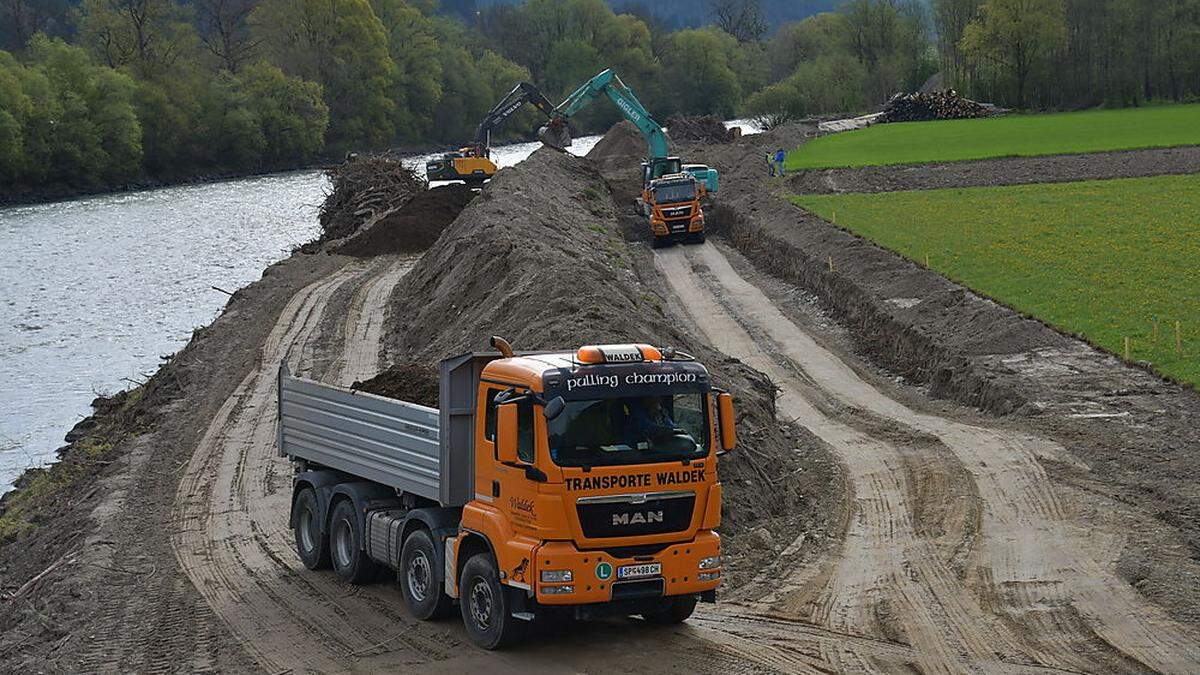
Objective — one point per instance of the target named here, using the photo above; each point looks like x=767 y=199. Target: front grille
x=680 y=212
x=627 y=519
x=628 y=590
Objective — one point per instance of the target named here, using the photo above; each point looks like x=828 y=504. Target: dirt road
x=958 y=543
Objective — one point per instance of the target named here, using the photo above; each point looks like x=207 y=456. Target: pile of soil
x=623 y=147
x=532 y=262
x=921 y=106
x=414 y=226
x=412 y=382
x=702 y=129
x=364 y=187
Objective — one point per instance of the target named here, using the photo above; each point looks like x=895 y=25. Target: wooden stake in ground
x=926 y=261
x=830 y=263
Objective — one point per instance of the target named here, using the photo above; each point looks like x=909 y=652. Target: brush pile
x=703 y=129
x=946 y=104
x=364 y=188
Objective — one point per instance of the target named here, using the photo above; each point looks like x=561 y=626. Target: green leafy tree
x=342 y=45
x=1016 y=37
x=413 y=44
x=289 y=111
x=149 y=36
x=697 y=73
x=98 y=138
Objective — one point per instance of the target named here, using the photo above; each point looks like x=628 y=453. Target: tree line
x=97 y=93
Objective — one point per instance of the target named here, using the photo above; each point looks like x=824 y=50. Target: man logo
x=638 y=518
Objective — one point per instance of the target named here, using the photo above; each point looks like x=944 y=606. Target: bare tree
x=743 y=19
x=224 y=31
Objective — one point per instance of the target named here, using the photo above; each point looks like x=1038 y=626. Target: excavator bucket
x=555 y=134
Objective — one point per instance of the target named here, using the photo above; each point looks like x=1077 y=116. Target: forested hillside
x=676 y=14
x=104 y=93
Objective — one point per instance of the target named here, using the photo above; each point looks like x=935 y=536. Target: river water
x=94 y=291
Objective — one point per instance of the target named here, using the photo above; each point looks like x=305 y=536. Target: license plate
x=635 y=571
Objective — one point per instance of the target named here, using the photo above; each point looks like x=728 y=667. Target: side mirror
x=727 y=420
x=506 y=433
x=554 y=408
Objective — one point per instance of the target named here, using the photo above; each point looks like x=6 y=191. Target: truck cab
x=580 y=482
x=673 y=206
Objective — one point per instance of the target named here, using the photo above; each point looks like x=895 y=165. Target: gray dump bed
x=387 y=441
x=403 y=445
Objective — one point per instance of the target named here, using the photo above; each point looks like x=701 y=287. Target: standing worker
x=779 y=157
x=771 y=163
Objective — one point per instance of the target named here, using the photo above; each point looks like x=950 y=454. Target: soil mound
x=415 y=226
x=703 y=129
x=364 y=187
x=412 y=382
x=540 y=259
x=623 y=147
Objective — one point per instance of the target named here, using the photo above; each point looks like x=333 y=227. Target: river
x=94 y=291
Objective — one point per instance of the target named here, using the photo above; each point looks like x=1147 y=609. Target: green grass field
x=1008 y=136
x=1099 y=258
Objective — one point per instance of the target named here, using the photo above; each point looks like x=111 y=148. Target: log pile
x=946 y=104
x=364 y=188
x=703 y=129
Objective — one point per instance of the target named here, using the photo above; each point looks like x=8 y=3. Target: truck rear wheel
x=312 y=545
x=350 y=561
x=421 y=578
x=677 y=610
x=484 y=605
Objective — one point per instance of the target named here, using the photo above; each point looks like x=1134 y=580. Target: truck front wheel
x=485 y=608
x=350 y=561
x=421 y=578
x=311 y=543
x=676 y=610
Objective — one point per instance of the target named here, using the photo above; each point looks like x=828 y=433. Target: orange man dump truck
x=673 y=205
x=581 y=482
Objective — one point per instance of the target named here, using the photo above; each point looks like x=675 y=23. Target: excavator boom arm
x=520 y=94
x=608 y=84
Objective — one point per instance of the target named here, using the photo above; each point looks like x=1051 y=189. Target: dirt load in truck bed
x=412 y=382
x=540 y=259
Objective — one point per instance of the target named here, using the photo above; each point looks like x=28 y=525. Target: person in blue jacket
x=779 y=157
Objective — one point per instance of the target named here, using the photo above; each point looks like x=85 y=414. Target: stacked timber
x=946 y=104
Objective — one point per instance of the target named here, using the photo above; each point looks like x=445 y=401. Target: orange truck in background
x=581 y=482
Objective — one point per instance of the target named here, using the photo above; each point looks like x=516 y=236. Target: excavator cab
x=658 y=167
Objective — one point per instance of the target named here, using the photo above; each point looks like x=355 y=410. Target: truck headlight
x=709 y=563
x=558 y=590
x=556 y=576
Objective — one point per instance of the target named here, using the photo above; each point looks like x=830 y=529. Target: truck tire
x=484 y=605
x=349 y=559
x=660 y=242
x=677 y=610
x=312 y=545
x=697 y=238
x=422 y=579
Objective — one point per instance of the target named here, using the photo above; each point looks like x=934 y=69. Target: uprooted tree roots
x=365 y=187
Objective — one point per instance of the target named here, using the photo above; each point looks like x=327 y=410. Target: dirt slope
x=1099 y=447
x=1003 y=171
x=540 y=259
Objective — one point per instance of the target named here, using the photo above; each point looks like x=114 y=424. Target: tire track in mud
x=234 y=543
x=233 y=540
x=1040 y=584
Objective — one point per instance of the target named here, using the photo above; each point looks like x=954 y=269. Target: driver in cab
x=646 y=418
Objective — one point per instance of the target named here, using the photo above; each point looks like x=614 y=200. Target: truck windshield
x=631 y=430
x=677 y=192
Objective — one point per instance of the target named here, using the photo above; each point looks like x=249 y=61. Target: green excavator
x=671 y=190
